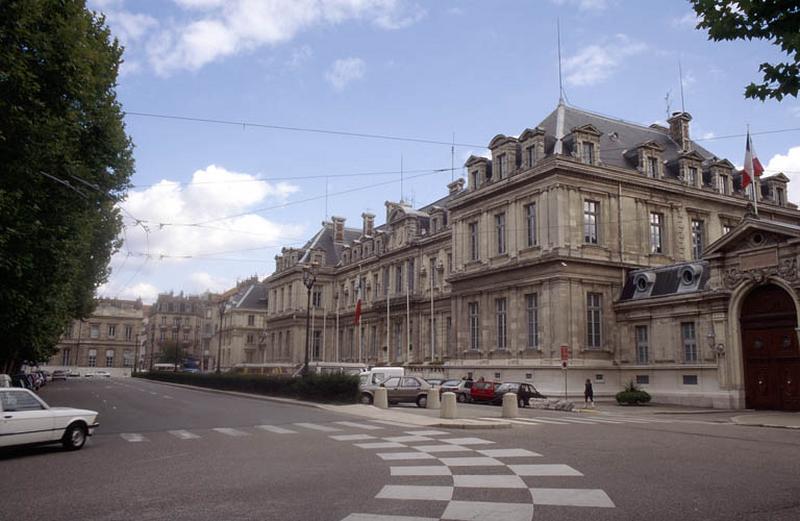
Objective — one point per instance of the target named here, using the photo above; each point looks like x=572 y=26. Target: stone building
x=630 y=248
x=108 y=339
x=185 y=319
x=239 y=325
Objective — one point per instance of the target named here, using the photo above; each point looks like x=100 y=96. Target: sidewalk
x=784 y=420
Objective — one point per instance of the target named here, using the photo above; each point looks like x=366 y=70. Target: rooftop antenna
x=680 y=73
x=560 y=81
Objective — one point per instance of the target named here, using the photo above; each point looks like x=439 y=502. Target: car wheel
x=74 y=437
x=366 y=399
x=422 y=401
x=461 y=398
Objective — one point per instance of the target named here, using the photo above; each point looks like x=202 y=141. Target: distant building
x=182 y=319
x=631 y=247
x=108 y=339
x=240 y=326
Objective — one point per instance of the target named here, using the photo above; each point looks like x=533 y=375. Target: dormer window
x=530 y=155
x=473 y=179
x=501 y=166
x=691 y=176
x=780 y=196
x=652 y=167
x=723 y=184
x=587 y=153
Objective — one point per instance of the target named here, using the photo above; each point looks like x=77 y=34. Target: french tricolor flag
x=752 y=166
x=358 y=304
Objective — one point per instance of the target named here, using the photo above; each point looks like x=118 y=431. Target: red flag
x=358 y=305
x=752 y=166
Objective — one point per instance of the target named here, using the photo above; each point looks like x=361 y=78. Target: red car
x=484 y=391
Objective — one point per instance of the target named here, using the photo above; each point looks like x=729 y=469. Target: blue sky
x=444 y=70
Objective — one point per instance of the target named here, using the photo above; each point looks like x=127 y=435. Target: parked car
x=73 y=373
x=435 y=382
x=524 y=392
x=376 y=375
x=59 y=374
x=24 y=380
x=104 y=374
x=484 y=391
x=460 y=387
x=27 y=419
x=405 y=389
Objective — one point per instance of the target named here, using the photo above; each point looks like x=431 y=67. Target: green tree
x=777 y=21
x=65 y=160
x=171 y=353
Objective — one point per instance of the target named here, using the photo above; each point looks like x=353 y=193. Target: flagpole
x=388 y=321
x=408 y=312
x=358 y=322
x=324 y=327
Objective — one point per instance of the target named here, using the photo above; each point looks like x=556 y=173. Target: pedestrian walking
x=588 y=393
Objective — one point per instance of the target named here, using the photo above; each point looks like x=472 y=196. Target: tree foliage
x=171 y=352
x=65 y=160
x=777 y=21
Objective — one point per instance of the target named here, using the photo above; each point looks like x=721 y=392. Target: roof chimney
x=338 y=229
x=679 y=130
x=368 y=224
x=456 y=186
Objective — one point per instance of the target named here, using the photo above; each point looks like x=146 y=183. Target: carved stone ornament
x=787 y=270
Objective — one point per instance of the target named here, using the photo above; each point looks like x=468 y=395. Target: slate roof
x=252 y=296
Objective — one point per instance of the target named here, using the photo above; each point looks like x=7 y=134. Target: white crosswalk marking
x=408 y=439
x=437 y=493
x=275 y=429
x=447 y=447
x=395 y=456
x=427 y=433
x=508 y=453
x=544 y=470
x=380 y=445
x=467 y=441
x=352 y=437
x=184 y=435
x=394 y=423
x=360 y=426
x=488 y=481
x=376 y=517
x=316 y=427
x=427 y=470
x=573 y=497
x=471 y=510
x=230 y=432
x=132 y=437
x=473 y=461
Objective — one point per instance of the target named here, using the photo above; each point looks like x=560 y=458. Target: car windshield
x=450 y=383
x=508 y=387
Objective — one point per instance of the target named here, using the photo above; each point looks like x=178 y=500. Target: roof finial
x=560 y=82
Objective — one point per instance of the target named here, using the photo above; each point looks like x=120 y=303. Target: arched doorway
x=770 y=350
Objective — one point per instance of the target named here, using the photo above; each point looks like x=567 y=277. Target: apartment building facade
x=184 y=321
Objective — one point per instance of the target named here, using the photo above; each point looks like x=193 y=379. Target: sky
x=225 y=101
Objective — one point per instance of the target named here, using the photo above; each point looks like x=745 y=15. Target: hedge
x=330 y=388
x=632 y=395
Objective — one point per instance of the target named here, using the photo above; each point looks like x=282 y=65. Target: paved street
x=164 y=452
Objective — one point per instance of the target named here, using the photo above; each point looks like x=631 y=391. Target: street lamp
x=177 y=341
x=309 y=278
x=222 y=306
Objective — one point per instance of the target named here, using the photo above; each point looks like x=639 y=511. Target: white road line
x=447 y=447
x=475 y=461
x=488 y=481
x=528 y=421
x=395 y=456
x=394 y=423
x=315 y=427
x=352 y=437
x=426 y=470
x=152 y=392
x=424 y=492
x=380 y=445
x=378 y=517
x=275 y=429
x=467 y=441
x=167 y=397
x=360 y=426
x=184 y=435
x=508 y=453
x=544 y=470
x=545 y=420
x=427 y=433
x=408 y=439
x=133 y=438
x=471 y=510
x=230 y=432
x=571 y=497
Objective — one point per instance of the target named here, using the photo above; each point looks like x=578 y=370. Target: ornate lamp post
x=309 y=279
x=222 y=306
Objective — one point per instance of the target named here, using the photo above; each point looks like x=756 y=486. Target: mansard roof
x=252 y=296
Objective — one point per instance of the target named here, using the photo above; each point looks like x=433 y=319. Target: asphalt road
x=166 y=453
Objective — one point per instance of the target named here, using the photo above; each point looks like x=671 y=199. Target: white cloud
x=299 y=56
x=217 y=29
x=345 y=71
x=169 y=211
x=143 y=290
x=584 y=5
x=707 y=135
x=206 y=282
x=596 y=63
x=127 y=26
x=687 y=21
x=789 y=164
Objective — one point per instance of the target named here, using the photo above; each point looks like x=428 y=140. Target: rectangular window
x=398 y=279
x=473 y=179
x=127 y=359
x=65 y=356
x=448 y=333
x=162 y=336
x=112 y=330
x=500 y=231
x=723 y=184
x=398 y=340
x=502 y=323
x=251 y=320
x=698 y=238
x=375 y=290
x=128 y=332
x=289 y=296
x=473 y=241
x=92 y=358
x=656 y=232
x=689 y=342
x=530 y=224
x=652 y=167
x=110 y=358
x=373 y=345
x=594 y=315
x=779 y=196
x=643 y=379
x=250 y=339
x=690 y=379
x=94 y=331
x=691 y=176
x=587 y=154
x=642 y=346
x=316 y=298
x=474 y=326
x=530 y=154
x=591 y=210
x=501 y=166
x=316 y=344
x=532 y=307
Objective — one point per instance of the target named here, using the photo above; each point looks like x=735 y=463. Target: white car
x=26 y=420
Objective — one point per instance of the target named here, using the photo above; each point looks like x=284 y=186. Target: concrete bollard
x=510 y=407
x=448 y=410
x=433 y=399
x=381 y=398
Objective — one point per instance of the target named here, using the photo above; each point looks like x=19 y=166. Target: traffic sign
x=564 y=353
